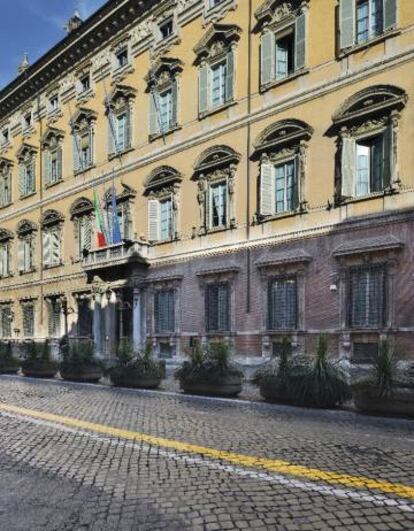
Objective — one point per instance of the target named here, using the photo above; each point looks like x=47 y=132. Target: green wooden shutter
x=347 y=23
x=390 y=14
x=128 y=128
x=267 y=189
x=46 y=248
x=388 y=159
x=153 y=220
x=154 y=123
x=297 y=183
x=21 y=255
x=267 y=58
x=22 y=179
x=91 y=147
x=174 y=102
x=59 y=163
x=230 y=76
x=76 y=152
x=348 y=167
x=111 y=134
x=55 y=237
x=203 y=89
x=47 y=173
x=300 y=41
x=88 y=233
x=171 y=310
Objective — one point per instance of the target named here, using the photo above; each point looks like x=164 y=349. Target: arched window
x=215 y=173
x=52 y=156
x=281 y=149
x=81 y=213
x=5 y=182
x=26 y=232
x=27 y=169
x=366 y=128
x=162 y=188
x=52 y=223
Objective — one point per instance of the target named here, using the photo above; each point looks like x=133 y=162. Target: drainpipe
x=248 y=173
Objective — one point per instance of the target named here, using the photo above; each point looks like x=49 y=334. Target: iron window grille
x=218 y=307
x=283 y=303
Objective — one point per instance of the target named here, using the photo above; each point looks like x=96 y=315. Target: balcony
x=117 y=255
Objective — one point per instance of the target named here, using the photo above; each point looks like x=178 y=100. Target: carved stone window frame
x=216 y=164
x=161 y=15
x=367 y=113
x=84 y=123
x=81 y=208
x=52 y=221
x=293 y=263
x=119 y=73
x=5 y=137
x=165 y=182
x=52 y=142
x=121 y=100
x=216 y=13
x=162 y=76
x=282 y=142
x=27 y=130
x=6 y=239
x=84 y=95
x=26 y=231
x=125 y=202
x=27 y=155
x=6 y=178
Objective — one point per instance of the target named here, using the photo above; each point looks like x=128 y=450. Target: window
x=53 y=103
x=282 y=304
x=28 y=319
x=364 y=353
x=121 y=132
x=84 y=83
x=122 y=58
x=4 y=137
x=124 y=219
x=25 y=252
x=164 y=311
x=160 y=219
x=166 y=110
x=362 y=20
x=82 y=140
x=27 y=121
x=27 y=178
x=52 y=247
x=119 y=112
x=6 y=318
x=166 y=28
x=218 y=307
x=283 y=53
x=53 y=166
x=279 y=188
x=367 y=296
x=214 y=3
x=84 y=234
x=216 y=84
x=5 y=184
x=4 y=259
x=218 y=203
x=369 y=166
x=85 y=318
x=218 y=75
x=54 y=317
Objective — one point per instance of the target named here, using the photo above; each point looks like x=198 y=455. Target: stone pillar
x=137 y=333
x=97 y=323
x=110 y=324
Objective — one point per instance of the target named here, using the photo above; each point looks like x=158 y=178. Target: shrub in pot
x=382 y=391
x=38 y=362
x=9 y=364
x=79 y=363
x=139 y=371
x=321 y=382
x=209 y=372
x=278 y=381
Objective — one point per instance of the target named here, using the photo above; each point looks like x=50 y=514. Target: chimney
x=74 y=22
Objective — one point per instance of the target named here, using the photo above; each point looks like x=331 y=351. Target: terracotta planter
x=9 y=369
x=227 y=387
x=45 y=371
x=91 y=374
x=400 y=403
x=273 y=394
x=134 y=382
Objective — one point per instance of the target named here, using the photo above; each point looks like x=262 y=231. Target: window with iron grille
x=218 y=307
x=84 y=318
x=364 y=353
x=5 y=320
x=54 y=323
x=28 y=319
x=367 y=296
x=282 y=303
x=164 y=311
x=278 y=346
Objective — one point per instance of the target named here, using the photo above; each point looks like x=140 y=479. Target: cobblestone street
x=92 y=457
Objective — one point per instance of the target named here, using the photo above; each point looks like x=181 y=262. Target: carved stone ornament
x=6 y=235
x=120 y=97
x=26 y=227
x=217 y=40
x=273 y=12
x=26 y=153
x=282 y=135
x=51 y=138
x=83 y=119
x=163 y=72
x=51 y=217
x=164 y=177
x=81 y=207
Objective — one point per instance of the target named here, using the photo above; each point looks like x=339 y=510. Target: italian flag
x=99 y=221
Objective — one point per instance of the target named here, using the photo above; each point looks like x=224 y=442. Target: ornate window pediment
x=119 y=112
x=26 y=152
x=25 y=227
x=83 y=119
x=81 y=207
x=120 y=97
x=51 y=217
x=367 y=125
x=282 y=133
x=82 y=126
x=6 y=165
x=161 y=178
x=217 y=41
x=163 y=72
x=215 y=158
x=274 y=12
x=281 y=149
x=51 y=138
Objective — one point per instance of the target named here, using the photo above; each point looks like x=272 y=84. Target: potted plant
x=321 y=382
x=382 y=391
x=278 y=380
x=79 y=363
x=9 y=364
x=38 y=362
x=209 y=372
x=139 y=371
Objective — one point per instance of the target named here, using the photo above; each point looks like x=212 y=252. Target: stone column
x=137 y=333
x=110 y=325
x=97 y=324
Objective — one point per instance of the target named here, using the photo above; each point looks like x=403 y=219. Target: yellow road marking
x=262 y=463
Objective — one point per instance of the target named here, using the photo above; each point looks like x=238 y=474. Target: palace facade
x=262 y=156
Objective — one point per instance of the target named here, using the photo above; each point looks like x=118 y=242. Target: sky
x=34 y=26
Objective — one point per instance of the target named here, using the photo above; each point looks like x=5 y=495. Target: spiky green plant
x=140 y=366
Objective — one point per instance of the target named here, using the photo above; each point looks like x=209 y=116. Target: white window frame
x=213 y=185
